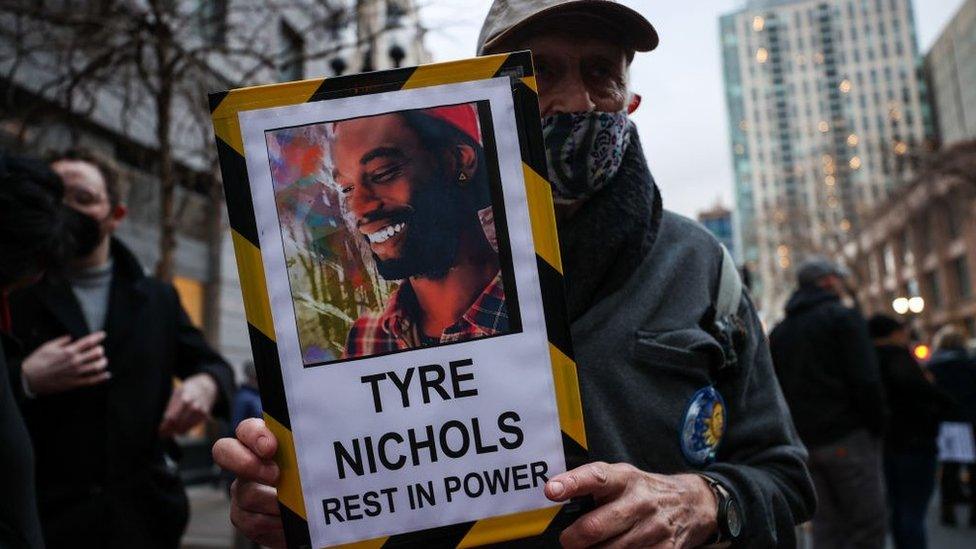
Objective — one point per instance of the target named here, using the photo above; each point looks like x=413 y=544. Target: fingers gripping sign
x=62 y=365
x=635 y=508
x=254 y=500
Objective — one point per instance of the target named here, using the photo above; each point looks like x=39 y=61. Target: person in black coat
x=917 y=406
x=955 y=373
x=827 y=369
x=34 y=236
x=103 y=343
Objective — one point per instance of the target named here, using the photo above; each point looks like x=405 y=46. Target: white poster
x=956 y=442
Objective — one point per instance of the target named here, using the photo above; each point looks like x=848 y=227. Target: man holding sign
x=679 y=395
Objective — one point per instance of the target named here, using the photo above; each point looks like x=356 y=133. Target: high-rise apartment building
x=951 y=67
x=718 y=221
x=826 y=106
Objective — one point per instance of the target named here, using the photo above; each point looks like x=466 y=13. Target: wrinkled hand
x=254 y=500
x=636 y=509
x=62 y=365
x=190 y=404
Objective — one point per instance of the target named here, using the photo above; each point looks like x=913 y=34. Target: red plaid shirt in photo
x=396 y=328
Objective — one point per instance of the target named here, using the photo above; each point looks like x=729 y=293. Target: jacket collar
x=126 y=295
x=807 y=297
x=126 y=266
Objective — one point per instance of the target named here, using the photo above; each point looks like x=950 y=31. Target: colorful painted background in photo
x=331 y=272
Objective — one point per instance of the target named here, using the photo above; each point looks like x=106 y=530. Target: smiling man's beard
x=433 y=232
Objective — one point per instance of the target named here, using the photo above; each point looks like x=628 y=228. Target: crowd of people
x=92 y=348
x=869 y=413
x=664 y=333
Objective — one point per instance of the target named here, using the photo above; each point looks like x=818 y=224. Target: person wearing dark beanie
x=882 y=326
x=916 y=407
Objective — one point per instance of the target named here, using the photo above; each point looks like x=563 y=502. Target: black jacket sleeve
x=761 y=459
x=917 y=394
x=860 y=367
x=194 y=355
x=14 y=357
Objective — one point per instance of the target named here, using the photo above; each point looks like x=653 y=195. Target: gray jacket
x=642 y=355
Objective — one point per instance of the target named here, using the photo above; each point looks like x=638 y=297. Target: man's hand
x=636 y=509
x=190 y=404
x=254 y=500
x=62 y=365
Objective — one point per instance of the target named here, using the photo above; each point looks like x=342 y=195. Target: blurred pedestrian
x=247 y=401
x=955 y=372
x=33 y=237
x=829 y=374
x=105 y=343
x=916 y=406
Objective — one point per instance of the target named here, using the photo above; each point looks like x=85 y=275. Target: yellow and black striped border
x=225 y=106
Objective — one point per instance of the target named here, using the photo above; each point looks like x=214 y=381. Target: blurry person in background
x=34 y=237
x=247 y=401
x=955 y=373
x=103 y=342
x=916 y=407
x=829 y=375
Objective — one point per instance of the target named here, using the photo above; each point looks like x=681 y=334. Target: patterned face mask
x=584 y=150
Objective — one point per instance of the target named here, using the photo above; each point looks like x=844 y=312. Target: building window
x=213 y=22
x=889 y=259
x=368 y=61
x=925 y=234
x=963 y=280
x=335 y=23
x=291 y=66
x=907 y=253
x=394 y=13
x=954 y=220
x=935 y=289
x=338 y=66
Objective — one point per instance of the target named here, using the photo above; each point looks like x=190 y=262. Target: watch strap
x=722 y=497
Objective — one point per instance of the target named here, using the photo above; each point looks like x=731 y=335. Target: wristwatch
x=729 y=513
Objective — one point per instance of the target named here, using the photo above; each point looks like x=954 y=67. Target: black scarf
x=605 y=241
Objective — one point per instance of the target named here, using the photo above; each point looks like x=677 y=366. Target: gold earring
x=462 y=177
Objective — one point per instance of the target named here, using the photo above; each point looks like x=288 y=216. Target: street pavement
x=942 y=537
x=210 y=527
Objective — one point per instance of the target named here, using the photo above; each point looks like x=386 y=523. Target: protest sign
x=396 y=244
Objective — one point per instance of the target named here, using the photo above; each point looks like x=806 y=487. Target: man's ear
x=119 y=211
x=635 y=101
x=466 y=159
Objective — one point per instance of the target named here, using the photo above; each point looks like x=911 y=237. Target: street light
x=905 y=305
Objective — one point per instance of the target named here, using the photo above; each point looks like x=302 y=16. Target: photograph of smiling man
x=389 y=224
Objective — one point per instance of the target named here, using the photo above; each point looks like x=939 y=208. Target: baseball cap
x=813 y=269
x=507 y=18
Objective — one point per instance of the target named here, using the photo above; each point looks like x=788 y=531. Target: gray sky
x=682 y=119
